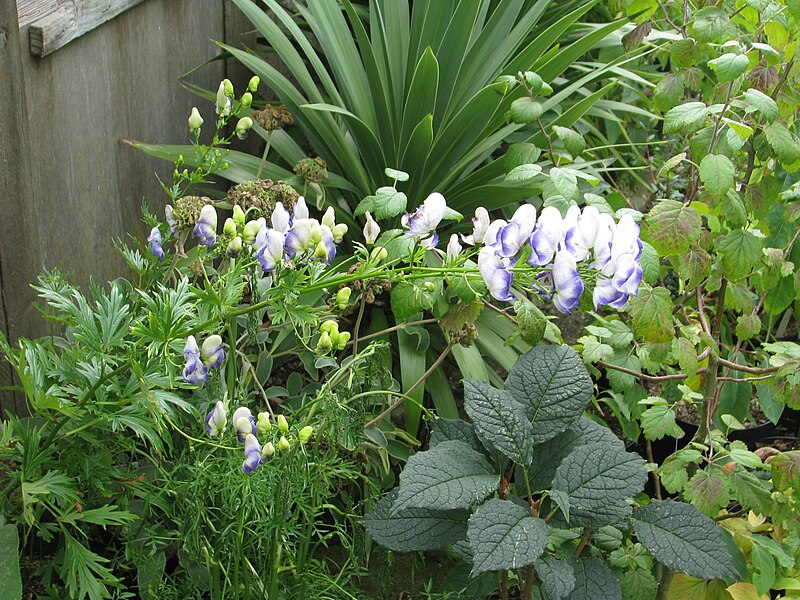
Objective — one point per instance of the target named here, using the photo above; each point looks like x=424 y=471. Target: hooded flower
x=480 y=222
x=252 y=454
x=512 y=236
x=243 y=423
x=371 y=229
x=574 y=242
x=173 y=224
x=280 y=218
x=496 y=273
x=216 y=420
x=194 y=372
x=212 y=352
x=205 y=230
x=546 y=237
x=271 y=253
x=155 y=243
x=453 y=247
x=567 y=283
x=426 y=218
x=300 y=210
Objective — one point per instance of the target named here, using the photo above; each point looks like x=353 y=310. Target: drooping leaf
x=717 y=173
x=783 y=143
x=598 y=479
x=503 y=535
x=762 y=103
x=682 y=538
x=414 y=529
x=450 y=475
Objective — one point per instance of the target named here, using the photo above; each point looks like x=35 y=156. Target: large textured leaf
x=504 y=535
x=557 y=576
x=673 y=227
x=652 y=314
x=594 y=581
x=598 y=479
x=500 y=421
x=740 y=250
x=9 y=563
x=448 y=430
x=414 y=529
x=450 y=475
x=682 y=538
x=553 y=385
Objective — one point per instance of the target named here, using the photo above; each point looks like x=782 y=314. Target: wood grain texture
x=71 y=19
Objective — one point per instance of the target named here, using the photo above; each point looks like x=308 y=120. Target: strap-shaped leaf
x=500 y=421
x=548 y=456
x=450 y=475
x=553 y=385
x=594 y=581
x=504 y=535
x=684 y=539
x=556 y=575
x=599 y=478
x=414 y=529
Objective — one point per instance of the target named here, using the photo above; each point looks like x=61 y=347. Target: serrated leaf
x=668 y=93
x=598 y=479
x=594 y=581
x=729 y=66
x=740 y=251
x=686 y=354
x=638 y=584
x=707 y=491
x=408 y=299
x=556 y=575
x=659 y=421
x=762 y=103
x=449 y=430
x=449 y=476
x=671 y=163
x=673 y=227
x=594 y=349
x=748 y=326
x=652 y=314
x=525 y=110
x=414 y=529
x=717 y=174
x=682 y=538
x=521 y=153
x=572 y=140
x=651 y=263
x=565 y=182
x=386 y=203
x=783 y=143
x=503 y=535
x=553 y=385
x=523 y=173
x=786 y=470
x=687 y=117
x=500 y=421
x=694 y=266
x=745 y=591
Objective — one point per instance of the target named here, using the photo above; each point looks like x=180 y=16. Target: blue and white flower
x=567 y=282
x=194 y=372
x=271 y=253
x=205 y=230
x=243 y=423
x=216 y=420
x=155 y=243
x=422 y=224
x=512 y=236
x=496 y=273
x=480 y=223
x=212 y=352
x=173 y=224
x=546 y=237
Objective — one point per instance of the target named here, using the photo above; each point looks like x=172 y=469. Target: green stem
x=264 y=156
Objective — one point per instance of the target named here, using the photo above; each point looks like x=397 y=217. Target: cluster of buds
x=558 y=244
x=249 y=429
x=331 y=338
x=200 y=359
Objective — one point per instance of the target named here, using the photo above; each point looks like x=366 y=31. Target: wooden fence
x=75 y=77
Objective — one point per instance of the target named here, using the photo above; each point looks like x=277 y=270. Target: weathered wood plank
x=29 y=11
x=70 y=20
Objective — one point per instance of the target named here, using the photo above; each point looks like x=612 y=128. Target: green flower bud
x=262 y=423
x=325 y=343
x=283 y=444
x=243 y=126
x=195 y=121
x=227 y=87
x=321 y=251
x=428 y=285
x=329 y=326
x=338 y=232
x=267 y=451
x=238 y=216
x=343 y=298
x=247 y=99
x=234 y=246
x=344 y=337
x=255 y=81
x=250 y=231
x=283 y=424
x=229 y=228
x=305 y=434
x=378 y=254
x=315 y=234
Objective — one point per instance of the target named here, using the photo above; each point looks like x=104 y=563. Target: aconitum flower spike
x=216 y=420
x=173 y=224
x=243 y=423
x=271 y=253
x=427 y=217
x=496 y=273
x=567 y=283
x=453 y=247
x=252 y=454
x=371 y=229
x=280 y=218
x=191 y=350
x=223 y=104
x=251 y=232
x=574 y=242
x=512 y=236
x=195 y=372
x=212 y=352
x=205 y=230
x=155 y=243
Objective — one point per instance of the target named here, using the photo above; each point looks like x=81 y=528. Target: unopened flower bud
x=253 y=84
x=305 y=434
x=378 y=254
x=429 y=286
x=329 y=326
x=223 y=105
x=325 y=343
x=321 y=251
x=195 y=121
x=250 y=231
x=344 y=337
x=371 y=229
x=263 y=425
x=268 y=451
x=227 y=88
x=211 y=352
x=229 y=228
x=234 y=246
x=238 y=216
x=283 y=444
x=339 y=232
x=343 y=298
x=216 y=420
x=247 y=99
x=329 y=218
x=243 y=126
x=283 y=424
